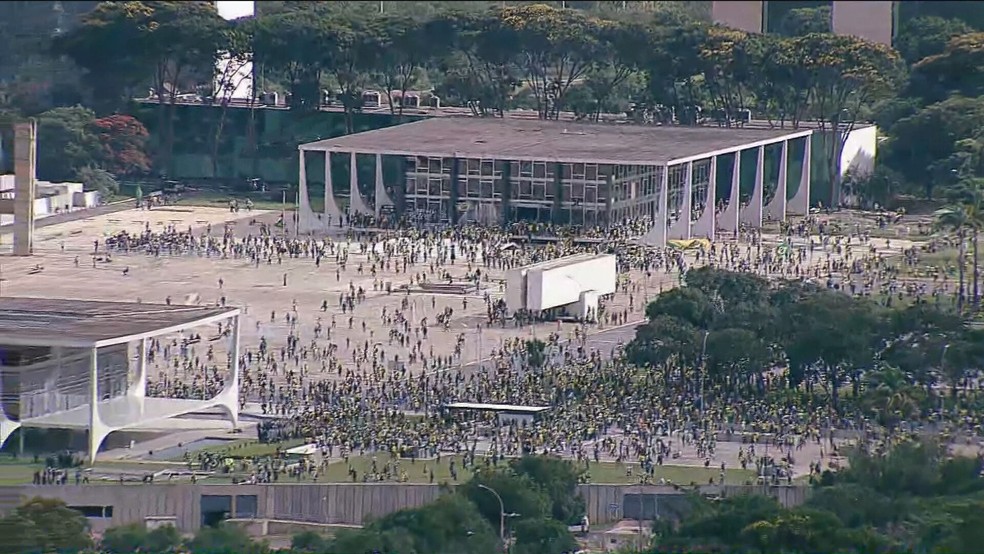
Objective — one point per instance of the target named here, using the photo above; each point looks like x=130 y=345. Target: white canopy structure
x=66 y=364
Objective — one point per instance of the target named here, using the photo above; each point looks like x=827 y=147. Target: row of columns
x=733 y=216
x=308 y=221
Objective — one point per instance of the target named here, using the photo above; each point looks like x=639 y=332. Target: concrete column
x=729 y=217
x=25 y=185
x=656 y=236
x=332 y=213
x=97 y=430
x=751 y=214
x=356 y=204
x=680 y=229
x=382 y=199
x=800 y=203
x=140 y=387
x=776 y=210
x=706 y=224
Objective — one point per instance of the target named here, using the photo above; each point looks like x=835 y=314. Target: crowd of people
x=354 y=388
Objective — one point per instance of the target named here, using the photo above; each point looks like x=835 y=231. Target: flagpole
x=297 y=214
x=283 y=213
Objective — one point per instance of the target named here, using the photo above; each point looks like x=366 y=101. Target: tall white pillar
x=800 y=203
x=97 y=432
x=705 y=226
x=234 y=378
x=140 y=387
x=751 y=215
x=332 y=213
x=382 y=199
x=681 y=227
x=729 y=217
x=356 y=204
x=776 y=210
x=656 y=236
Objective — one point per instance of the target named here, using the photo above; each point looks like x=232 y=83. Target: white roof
x=303 y=450
x=496 y=407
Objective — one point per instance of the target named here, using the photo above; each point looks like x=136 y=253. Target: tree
x=622 y=48
x=544 y=536
x=96 y=179
x=224 y=539
x=804 y=21
x=831 y=338
x=309 y=542
x=559 y=479
x=43 y=525
x=846 y=74
x=450 y=525
x=408 y=44
x=558 y=48
x=921 y=145
x=661 y=340
x=353 y=46
x=926 y=36
x=954 y=219
x=520 y=495
x=66 y=143
x=123 y=141
x=291 y=44
x=164 y=42
x=779 y=80
x=127 y=539
x=234 y=67
x=727 y=68
x=482 y=70
x=939 y=76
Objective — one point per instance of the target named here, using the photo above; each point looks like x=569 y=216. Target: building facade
x=872 y=20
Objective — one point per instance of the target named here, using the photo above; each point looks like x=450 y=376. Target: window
x=487 y=168
x=488 y=187
x=434 y=165
x=473 y=167
x=434 y=186
x=577 y=191
x=579 y=171
x=101 y=512
x=591 y=172
x=565 y=172
x=539 y=170
x=246 y=506
x=526 y=189
x=539 y=191
x=526 y=169
x=473 y=187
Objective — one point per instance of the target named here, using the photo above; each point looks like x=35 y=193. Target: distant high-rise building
x=873 y=20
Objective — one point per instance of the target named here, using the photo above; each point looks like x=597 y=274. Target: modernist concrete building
x=874 y=20
x=68 y=364
x=494 y=170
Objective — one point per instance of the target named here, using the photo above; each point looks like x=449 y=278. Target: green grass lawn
x=20 y=471
x=247 y=448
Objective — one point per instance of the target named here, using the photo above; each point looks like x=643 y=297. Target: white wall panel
x=550 y=287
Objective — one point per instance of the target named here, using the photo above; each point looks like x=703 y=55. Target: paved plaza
x=64 y=267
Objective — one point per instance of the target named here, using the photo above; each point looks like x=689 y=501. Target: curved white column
x=704 y=227
x=728 y=222
x=656 y=236
x=752 y=213
x=800 y=203
x=333 y=215
x=776 y=210
x=680 y=229
x=357 y=205
x=382 y=199
x=307 y=220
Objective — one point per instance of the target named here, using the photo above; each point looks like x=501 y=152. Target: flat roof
x=89 y=323
x=496 y=407
x=557 y=263
x=558 y=141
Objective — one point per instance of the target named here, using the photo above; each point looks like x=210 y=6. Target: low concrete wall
x=350 y=504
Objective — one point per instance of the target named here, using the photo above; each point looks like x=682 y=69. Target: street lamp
x=502 y=515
